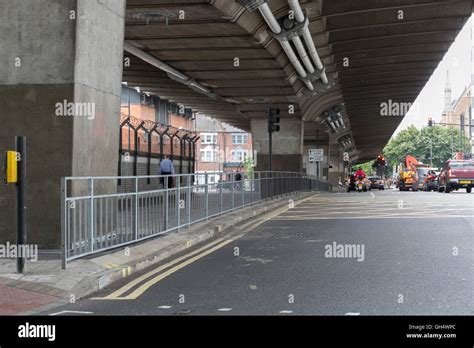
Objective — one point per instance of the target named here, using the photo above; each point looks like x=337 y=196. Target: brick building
x=221 y=148
x=459 y=111
x=152 y=128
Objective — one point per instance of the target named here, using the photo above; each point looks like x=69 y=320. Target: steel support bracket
x=320 y=87
x=251 y=5
x=313 y=77
x=289 y=34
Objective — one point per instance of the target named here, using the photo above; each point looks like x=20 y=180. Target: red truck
x=456 y=174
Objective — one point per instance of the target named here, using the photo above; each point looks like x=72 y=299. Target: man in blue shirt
x=166 y=168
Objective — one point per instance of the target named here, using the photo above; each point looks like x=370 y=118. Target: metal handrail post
x=221 y=183
x=282 y=179
x=178 y=201
x=206 y=194
x=91 y=237
x=136 y=208
x=252 y=181
x=63 y=224
x=167 y=196
x=242 y=180
x=188 y=199
x=232 y=190
x=259 y=180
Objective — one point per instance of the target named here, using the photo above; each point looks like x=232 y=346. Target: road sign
x=316 y=155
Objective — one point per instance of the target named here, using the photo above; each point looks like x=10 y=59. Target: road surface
x=374 y=253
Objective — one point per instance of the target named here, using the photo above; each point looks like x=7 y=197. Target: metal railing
x=95 y=218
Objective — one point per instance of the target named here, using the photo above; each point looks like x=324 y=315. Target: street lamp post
x=452 y=141
x=431 y=150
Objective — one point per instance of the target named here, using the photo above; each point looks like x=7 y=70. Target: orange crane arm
x=410 y=161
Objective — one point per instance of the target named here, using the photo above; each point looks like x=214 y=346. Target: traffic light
x=273 y=120
x=381 y=160
x=430 y=122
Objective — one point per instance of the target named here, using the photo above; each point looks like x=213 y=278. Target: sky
x=460 y=62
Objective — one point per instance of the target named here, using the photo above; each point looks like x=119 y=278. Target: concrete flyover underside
x=390 y=50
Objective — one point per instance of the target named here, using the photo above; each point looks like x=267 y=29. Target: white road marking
x=299 y=218
x=373 y=196
x=72 y=312
x=352 y=313
x=285 y=312
x=164 y=307
x=224 y=309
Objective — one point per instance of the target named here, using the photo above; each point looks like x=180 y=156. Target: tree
x=405 y=143
x=248 y=165
x=418 y=143
x=366 y=167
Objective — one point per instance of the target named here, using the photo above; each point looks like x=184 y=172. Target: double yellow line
x=159 y=273
x=169 y=269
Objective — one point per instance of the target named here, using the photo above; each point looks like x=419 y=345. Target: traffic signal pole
x=270 y=143
x=273 y=126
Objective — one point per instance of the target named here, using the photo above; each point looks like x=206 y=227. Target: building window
x=208 y=155
x=208 y=138
x=238 y=155
x=240 y=138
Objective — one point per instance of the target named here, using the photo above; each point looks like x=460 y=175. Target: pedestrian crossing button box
x=11 y=167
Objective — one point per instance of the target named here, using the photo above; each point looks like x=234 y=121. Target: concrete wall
x=287 y=145
x=40 y=33
x=78 y=60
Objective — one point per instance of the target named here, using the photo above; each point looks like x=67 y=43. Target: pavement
x=373 y=253
x=45 y=285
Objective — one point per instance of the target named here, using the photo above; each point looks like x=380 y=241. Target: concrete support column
x=287 y=145
x=60 y=84
x=336 y=166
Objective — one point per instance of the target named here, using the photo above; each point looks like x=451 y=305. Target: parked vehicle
x=430 y=182
x=407 y=180
x=408 y=177
x=376 y=182
x=421 y=173
x=456 y=174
